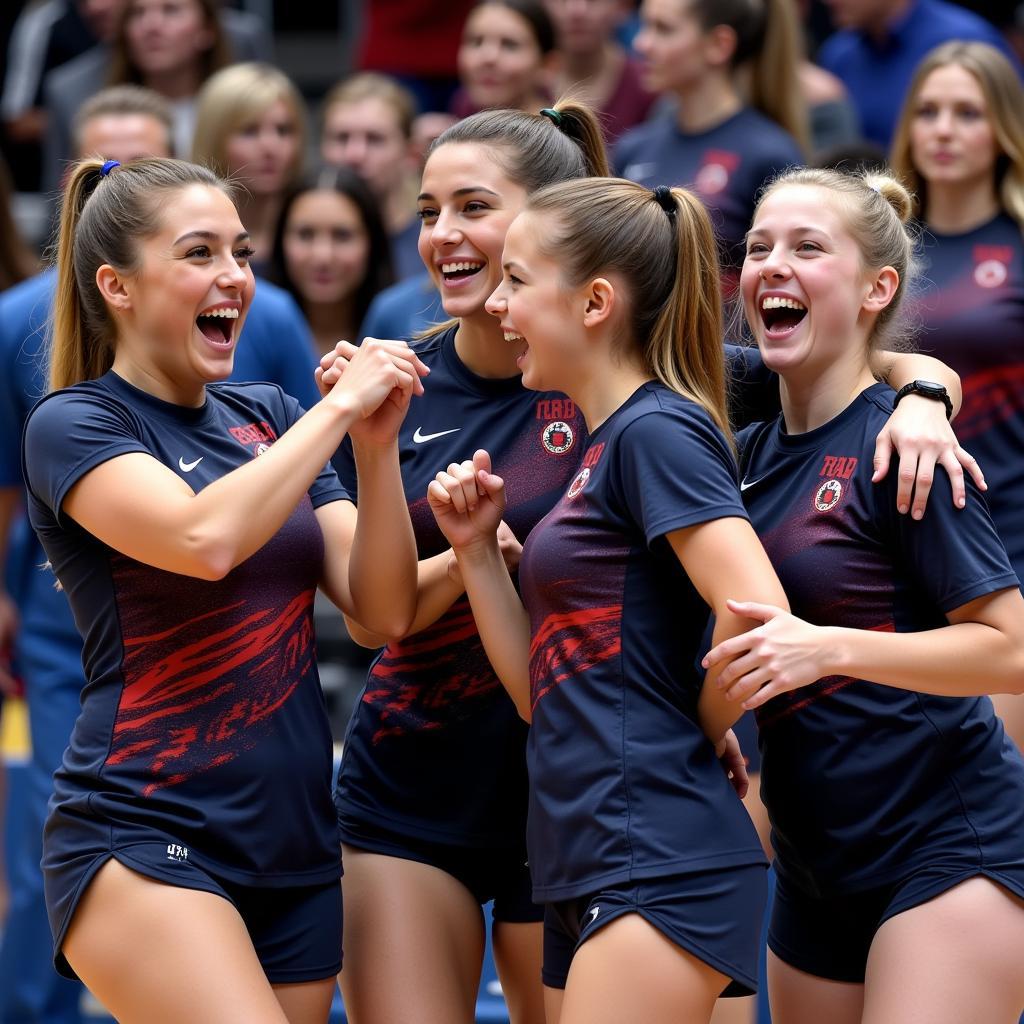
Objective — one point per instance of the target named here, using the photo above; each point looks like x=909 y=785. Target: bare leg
x=307 y=1002
x=159 y=954
x=414 y=943
x=955 y=958
x=628 y=970
x=518 y=952
x=735 y=1011
x=553 y=999
x=800 y=998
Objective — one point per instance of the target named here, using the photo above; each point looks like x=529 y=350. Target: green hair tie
x=553 y=116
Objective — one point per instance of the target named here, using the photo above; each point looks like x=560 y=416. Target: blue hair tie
x=108 y=167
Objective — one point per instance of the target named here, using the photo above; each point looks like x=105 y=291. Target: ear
x=720 y=45
x=600 y=301
x=112 y=288
x=881 y=290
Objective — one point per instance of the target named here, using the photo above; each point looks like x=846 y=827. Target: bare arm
x=981 y=651
x=724 y=558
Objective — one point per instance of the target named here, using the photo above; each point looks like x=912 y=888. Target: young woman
x=501 y=57
x=650 y=869
x=189 y=523
x=172 y=48
x=960 y=148
x=332 y=253
x=251 y=126
x=897 y=803
x=719 y=142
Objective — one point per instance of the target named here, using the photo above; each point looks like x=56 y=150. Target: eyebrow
x=209 y=236
x=802 y=230
x=462 y=192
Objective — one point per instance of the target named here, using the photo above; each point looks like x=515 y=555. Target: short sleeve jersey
x=725 y=166
x=623 y=782
x=971 y=315
x=435 y=748
x=856 y=776
x=202 y=717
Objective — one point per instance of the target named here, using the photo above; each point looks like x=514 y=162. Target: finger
x=923 y=484
x=739 y=777
x=467 y=479
x=754 y=610
x=482 y=460
x=409 y=367
x=971 y=464
x=905 y=487
x=454 y=489
x=883 y=456
x=951 y=464
x=728 y=649
x=438 y=494
x=736 y=669
x=763 y=695
x=748 y=685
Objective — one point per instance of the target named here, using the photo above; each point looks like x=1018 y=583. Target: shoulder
x=253 y=395
x=660 y=417
x=839 y=48
x=640 y=136
x=954 y=21
x=769 y=141
x=90 y=402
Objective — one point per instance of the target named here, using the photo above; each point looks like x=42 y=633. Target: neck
x=481 y=346
x=593 y=73
x=952 y=209
x=177 y=84
x=708 y=103
x=153 y=382
x=259 y=215
x=331 y=322
x=604 y=386
x=878 y=30
x=811 y=396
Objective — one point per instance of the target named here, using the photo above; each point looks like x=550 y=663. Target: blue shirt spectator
x=403 y=310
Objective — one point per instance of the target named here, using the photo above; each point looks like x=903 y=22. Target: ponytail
x=663 y=246
x=103 y=217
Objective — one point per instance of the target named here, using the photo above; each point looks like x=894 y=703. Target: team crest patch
x=828 y=495
x=579 y=483
x=990 y=274
x=261 y=448
x=557 y=437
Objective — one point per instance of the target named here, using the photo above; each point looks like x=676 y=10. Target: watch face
x=929 y=385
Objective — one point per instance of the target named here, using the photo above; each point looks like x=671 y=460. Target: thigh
x=628 y=970
x=414 y=942
x=735 y=1011
x=518 y=951
x=158 y=954
x=307 y=1002
x=954 y=958
x=797 y=997
x=553 y=998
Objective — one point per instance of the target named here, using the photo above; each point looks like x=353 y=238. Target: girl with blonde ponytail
x=652 y=875
x=190 y=854
x=895 y=798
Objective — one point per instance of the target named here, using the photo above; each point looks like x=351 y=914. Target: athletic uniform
x=971 y=311
x=879 y=798
x=725 y=166
x=630 y=810
x=434 y=766
x=202 y=754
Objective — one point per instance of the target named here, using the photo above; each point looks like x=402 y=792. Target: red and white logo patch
x=578 y=484
x=557 y=437
x=991 y=265
x=828 y=495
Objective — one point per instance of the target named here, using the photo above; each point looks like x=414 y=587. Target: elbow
x=525 y=713
x=212 y=558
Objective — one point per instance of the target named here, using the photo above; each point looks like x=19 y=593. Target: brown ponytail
x=102 y=220
x=663 y=246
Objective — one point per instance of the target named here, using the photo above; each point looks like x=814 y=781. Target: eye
x=756 y=249
x=426 y=213
x=513 y=280
x=245 y=254
x=200 y=252
x=806 y=246
x=970 y=114
x=475 y=206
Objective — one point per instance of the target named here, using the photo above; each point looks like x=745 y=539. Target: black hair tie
x=553 y=116
x=665 y=199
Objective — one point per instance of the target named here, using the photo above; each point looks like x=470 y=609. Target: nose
x=445 y=230
x=774 y=267
x=354 y=150
x=232 y=276
x=496 y=303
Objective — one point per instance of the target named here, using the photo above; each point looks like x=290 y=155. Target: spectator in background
x=505 y=44
x=331 y=254
x=16 y=261
x=251 y=127
x=123 y=123
x=590 y=62
x=731 y=65
x=880 y=42
x=367 y=125
x=959 y=146
x=166 y=28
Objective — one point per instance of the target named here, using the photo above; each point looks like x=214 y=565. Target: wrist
x=928 y=390
x=482 y=551
x=833 y=652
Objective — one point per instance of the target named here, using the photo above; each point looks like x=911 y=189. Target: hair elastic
x=665 y=199
x=108 y=167
x=553 y=116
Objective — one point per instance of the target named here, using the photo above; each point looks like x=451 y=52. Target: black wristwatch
x=926 y=389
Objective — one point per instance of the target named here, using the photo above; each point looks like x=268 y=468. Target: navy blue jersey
x=435 y=748
x=725 y=165
x=971 y=311
x=623 y=782
x=202 y=716
x=858 y=777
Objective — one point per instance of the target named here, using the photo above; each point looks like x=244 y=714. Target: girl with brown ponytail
x=190 y=855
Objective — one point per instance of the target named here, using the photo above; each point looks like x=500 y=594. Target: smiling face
x=499 y=58
x=951 y=136
x=540 y=315
x=326 y=246
x=180 y=314
x=803 y=283
x=263 y=152
x=465 y=205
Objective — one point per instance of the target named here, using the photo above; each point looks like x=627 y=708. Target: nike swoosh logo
x=744 y=484
x=187 y=467
x=593 y=914
x=419 y=437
